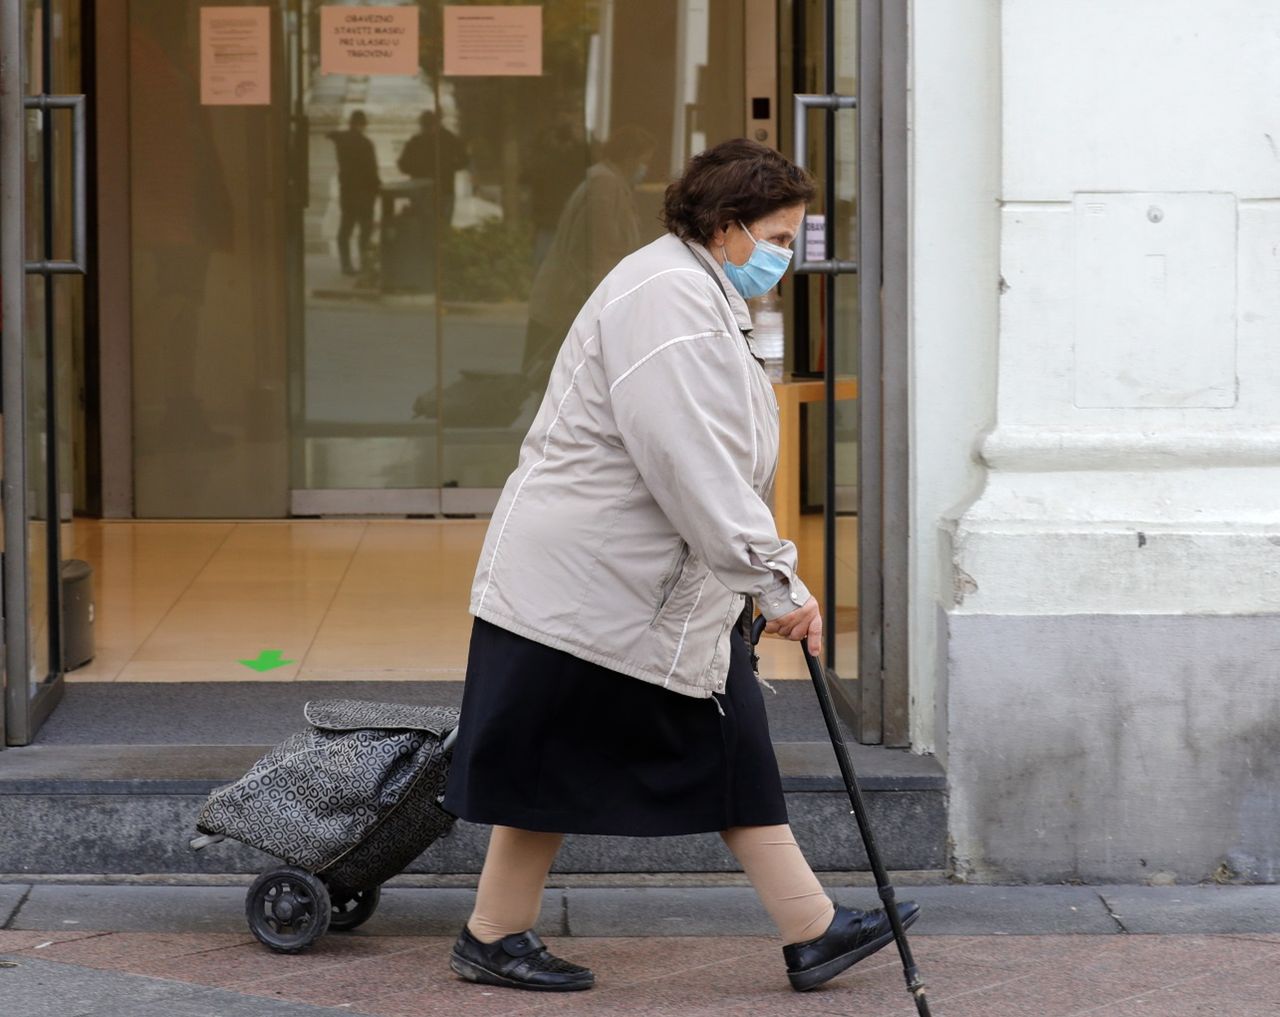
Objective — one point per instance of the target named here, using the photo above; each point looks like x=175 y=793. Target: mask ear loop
x=725 y=248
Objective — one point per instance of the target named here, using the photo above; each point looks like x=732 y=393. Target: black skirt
x=551 y=742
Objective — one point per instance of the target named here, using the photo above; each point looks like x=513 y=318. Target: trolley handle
x=449 y=739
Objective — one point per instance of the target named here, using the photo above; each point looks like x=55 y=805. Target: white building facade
x=1095 y=343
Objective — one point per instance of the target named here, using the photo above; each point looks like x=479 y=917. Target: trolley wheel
x=288 y=909
x=353 y=907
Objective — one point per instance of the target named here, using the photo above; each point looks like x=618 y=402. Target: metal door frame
x=876 y=704
x=895 y=377
x=23 y=713
x=12 y=255
x=434 y=500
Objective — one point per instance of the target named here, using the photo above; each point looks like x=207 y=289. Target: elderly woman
x=608 y=688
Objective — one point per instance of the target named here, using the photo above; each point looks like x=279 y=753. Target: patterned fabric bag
x=355 y=797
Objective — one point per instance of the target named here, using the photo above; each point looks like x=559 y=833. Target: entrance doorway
x=346 y=300
x=492 y=205
x=849 y=317
x=270 y=349
x=43 y=258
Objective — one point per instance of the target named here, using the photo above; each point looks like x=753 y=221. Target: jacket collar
x=741 y=313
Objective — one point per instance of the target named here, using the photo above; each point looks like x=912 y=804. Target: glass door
x=370 y=194
x=209 y=201
x=855 y=442
x=42 y=177
x=456 y=218
x=825 y=310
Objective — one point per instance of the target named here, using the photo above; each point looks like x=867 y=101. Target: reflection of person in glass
x=434 y=150
x=610 y=686
x=357 y=188
x=183 y=215
x=598 y=227
x=550 y=180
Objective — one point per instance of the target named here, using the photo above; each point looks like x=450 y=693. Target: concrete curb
x=675 y=911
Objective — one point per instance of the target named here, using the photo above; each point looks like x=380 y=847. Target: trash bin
x=407 y=237
x=77 y=613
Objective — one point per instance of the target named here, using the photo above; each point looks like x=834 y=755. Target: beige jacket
x=635 y=521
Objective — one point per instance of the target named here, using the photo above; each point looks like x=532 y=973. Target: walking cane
x=915 y=983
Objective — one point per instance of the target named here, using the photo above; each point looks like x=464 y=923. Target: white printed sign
x=490 y=40
x=368 y=40
x=235 y=56
x=815 y=238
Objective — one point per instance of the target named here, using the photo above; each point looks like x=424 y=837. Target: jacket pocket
x=670 y=581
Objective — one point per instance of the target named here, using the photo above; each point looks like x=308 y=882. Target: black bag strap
x=743 y=625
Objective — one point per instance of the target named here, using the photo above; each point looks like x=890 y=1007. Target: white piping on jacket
x=665 y=271
x=653 y=353
x=685 y=629
x=493 y=558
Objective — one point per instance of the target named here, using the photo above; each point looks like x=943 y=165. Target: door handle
x=78 y=263
x=804 y=103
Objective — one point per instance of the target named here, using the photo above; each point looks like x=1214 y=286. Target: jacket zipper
x=670 y=581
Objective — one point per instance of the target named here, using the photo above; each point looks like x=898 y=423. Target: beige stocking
x=789 y=890
x=510 y=892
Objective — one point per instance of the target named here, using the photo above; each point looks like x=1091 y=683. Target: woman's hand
x=801 y=623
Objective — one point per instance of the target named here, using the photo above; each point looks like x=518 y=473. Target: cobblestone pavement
x=64 y=970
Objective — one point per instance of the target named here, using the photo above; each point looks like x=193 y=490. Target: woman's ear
x=718 y=236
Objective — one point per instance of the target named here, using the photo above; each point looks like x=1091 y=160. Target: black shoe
x=518 y=961
x=851 y=936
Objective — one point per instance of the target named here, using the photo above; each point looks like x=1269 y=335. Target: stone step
x=119 y=771
x=121 y=809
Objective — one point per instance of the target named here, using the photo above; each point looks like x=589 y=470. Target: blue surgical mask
x=763 y=270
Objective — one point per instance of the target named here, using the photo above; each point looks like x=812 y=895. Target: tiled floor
x=195 y=601
x=389 y=976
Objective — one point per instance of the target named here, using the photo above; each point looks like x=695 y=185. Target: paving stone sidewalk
x=112 y=951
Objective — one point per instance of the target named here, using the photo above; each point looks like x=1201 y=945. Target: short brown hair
x=736 y=181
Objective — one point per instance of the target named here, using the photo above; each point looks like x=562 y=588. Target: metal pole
x=895 y=386
x=14 y=485
x=802 y=359
x=53 y=503
x=829 y=361
x=869 y=690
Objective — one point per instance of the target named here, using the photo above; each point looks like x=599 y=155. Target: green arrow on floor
x=267 y=660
